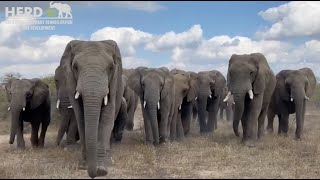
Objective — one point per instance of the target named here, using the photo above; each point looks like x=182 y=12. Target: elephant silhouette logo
x=62 y=8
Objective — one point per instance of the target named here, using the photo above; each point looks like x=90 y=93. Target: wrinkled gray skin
x=211 y=83
x=120 y=122
x=227 y=107
x=68 y=125
x=33 y=96
x=154 y=86
x=298 y=85
x=250 y=72
x=131 y=98
x=93 y=69
x=186 y=89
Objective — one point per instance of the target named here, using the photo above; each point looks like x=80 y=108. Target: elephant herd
x=97 y=99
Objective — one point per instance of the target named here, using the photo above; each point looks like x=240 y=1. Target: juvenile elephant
x=211 y=84
x=29 y=101
x=155 y=87
x=251 y=82
x=227 y=106
x=68 y=125
x=186 y=89
x=93 y=72
x=293 y=89
x=131 y=98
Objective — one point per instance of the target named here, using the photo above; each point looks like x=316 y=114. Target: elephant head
x=61 y=89
x=93 y=72
x=153 y=86
x=24 y=95
x=247 y=77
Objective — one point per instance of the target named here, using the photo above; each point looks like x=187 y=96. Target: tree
x=7 y=76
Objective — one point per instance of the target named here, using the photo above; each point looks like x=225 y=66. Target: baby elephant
x=293 y=89
x=29 y=101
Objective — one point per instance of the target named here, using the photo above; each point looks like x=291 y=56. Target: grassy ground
x=218 y=156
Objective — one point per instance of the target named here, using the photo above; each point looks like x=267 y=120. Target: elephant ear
x=194 y=88
x=259 y=82
x=40 y=93
x=7 y=87
x=134 y=81
x=168 y=85
x=311 y=81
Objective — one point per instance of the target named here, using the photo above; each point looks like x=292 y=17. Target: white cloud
x=171 y=39
x=148 y=6
x=126 y=37
x=31 y=70
x=297 y=18
x=133 y=62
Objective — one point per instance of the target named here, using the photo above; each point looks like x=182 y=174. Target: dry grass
x=219 y=156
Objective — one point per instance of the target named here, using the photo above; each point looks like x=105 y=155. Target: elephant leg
x=254 y=112
x=221 y=111
x=63 y=128
x=44 y=126
x=186 y=117
x=20 y=140
x=72 y=130
x=180 y=132
x=120 y=122
x=34 y=134
x=300 y=113
x=212 y=115
x=271 y=116
x=261 y=119
x=284 y=121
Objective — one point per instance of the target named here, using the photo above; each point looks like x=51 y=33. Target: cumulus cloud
x=191 y=37
x=297 y=18
x=31 y=70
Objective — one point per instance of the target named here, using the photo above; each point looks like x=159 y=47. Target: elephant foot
x=249 y=143
x=101 y=171
x=82 y=165
x=298 y=138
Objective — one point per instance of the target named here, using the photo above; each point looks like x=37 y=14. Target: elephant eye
x=29 y=95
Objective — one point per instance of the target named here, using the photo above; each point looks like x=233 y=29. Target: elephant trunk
x=239 y=100
x=152 y=100
x=15 y=117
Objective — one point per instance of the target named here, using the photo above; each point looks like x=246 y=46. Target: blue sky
x=186 y=35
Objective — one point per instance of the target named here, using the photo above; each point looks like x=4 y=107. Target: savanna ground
x=218 y=156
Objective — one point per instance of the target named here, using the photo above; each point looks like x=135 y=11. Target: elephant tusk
x=77 y=95
x=144 y=104
x=158 y=105
x=251 y=94
x=210 y=96
x=9 y=108
x=227 y=97
x=306 y=97
x=233 y=102
x=180 y=107
x=58 y=103
x=23 y=109
x=291 y=99
x=196 y=98
x=106 y=100
x=70 y=107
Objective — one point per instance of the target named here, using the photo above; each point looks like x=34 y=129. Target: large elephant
x=228 y=107
x=68 y=125
x=186 y=90
x=93 y=72
x=211 y=84
x=251 y=82
x=29 y=101
x=155 y=87
x=292 y=90
x=131 y=97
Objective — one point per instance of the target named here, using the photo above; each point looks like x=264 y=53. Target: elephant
x=293 y=89
x=62 y=8
x=155 y=88
x=186 y=89
x=68 y=124
x=131 y=98
x=29 y=101
x=228 y=106
x=211 y=84
x=93 y=72
x=120 y=122
x=251 y=82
